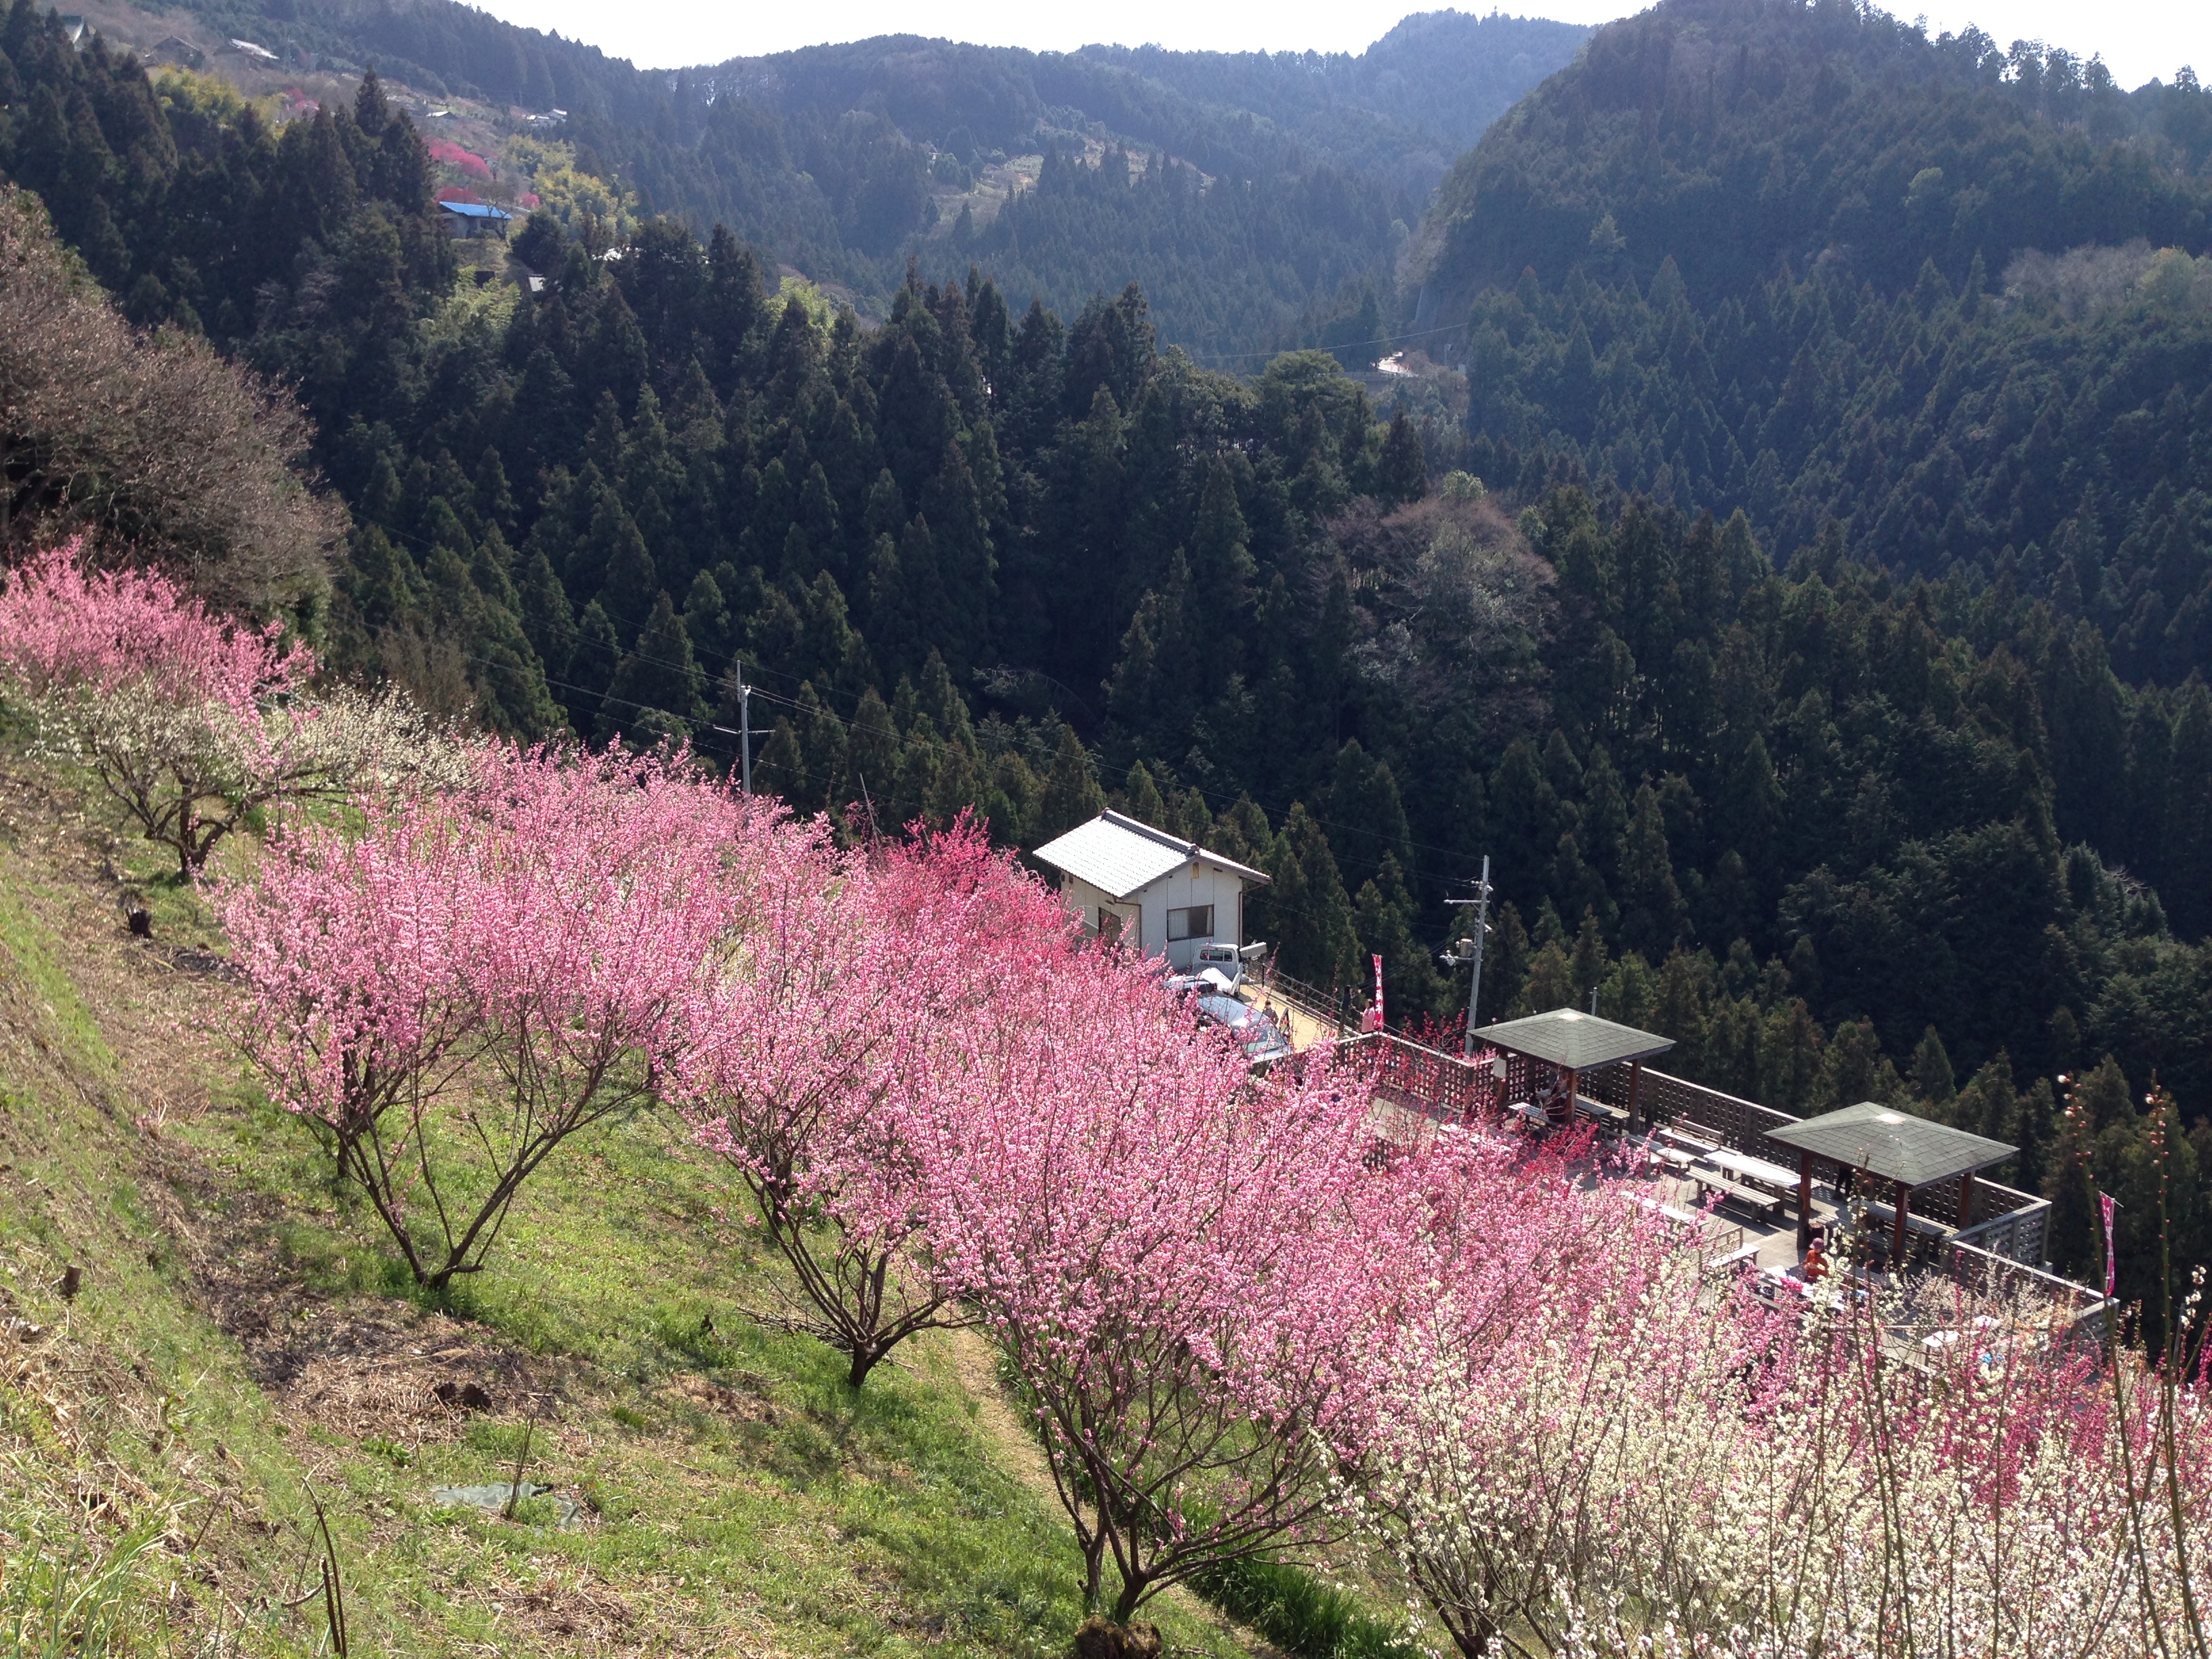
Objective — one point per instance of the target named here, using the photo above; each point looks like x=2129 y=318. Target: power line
x=1387 y=339
x=943 y=746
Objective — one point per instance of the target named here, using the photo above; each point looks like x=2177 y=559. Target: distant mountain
x=1268 y=192
x=1732 y=135
x=1917 y=302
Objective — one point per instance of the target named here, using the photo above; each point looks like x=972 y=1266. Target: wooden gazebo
x=1571 y=1043
x=1907 y=1151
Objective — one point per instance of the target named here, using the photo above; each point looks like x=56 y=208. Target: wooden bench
x=1741 y=1255
x=1884 y=1218
x=1674 y=1213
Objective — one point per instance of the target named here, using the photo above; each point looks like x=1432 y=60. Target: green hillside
x=243 y=1345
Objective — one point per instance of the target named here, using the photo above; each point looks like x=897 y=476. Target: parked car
x=1216 y=968
x=1255 y=1032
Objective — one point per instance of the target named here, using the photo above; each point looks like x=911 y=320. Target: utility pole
x=743 y=734
x=1470 y=950
x=746 y=725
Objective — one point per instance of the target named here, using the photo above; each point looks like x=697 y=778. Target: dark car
x=1261 y=1038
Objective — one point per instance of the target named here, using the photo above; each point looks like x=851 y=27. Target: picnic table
x=1756 y=1170
x=1755 y=1199
x=1611 y=1117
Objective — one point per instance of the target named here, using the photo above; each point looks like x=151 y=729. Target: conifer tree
x=1140 y=797
x=1652 y=911
x=781 y=768
x=657 y=690
x=1403 y=472
x=591 y=667
x=1317 y=933
x=1932 y=1077
x=1071 y=794
x=1389 y=926
x=871 y=755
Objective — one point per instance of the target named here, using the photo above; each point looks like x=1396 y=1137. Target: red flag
x=2104 y=1203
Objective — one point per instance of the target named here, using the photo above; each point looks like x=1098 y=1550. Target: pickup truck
x=1218 y=968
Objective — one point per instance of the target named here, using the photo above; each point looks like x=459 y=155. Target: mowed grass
x=245 y=1336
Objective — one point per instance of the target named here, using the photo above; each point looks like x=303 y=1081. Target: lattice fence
x=2005 y=1221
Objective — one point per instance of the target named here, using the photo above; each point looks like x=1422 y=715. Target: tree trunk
x=864 y=1361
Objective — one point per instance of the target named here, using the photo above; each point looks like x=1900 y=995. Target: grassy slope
x=242 y=1331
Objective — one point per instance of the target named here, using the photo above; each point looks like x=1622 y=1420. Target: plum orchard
x=1244 y=1325
x=193 y=723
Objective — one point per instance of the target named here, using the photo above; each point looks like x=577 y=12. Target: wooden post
x=1635 y=1087
x=1897 y=1234
x=1965 y=1200
x=1574 y=1088
x=1804 y=1200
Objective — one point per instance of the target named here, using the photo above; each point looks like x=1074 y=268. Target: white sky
x=2138 y=39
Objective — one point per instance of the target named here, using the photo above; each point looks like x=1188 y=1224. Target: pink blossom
x=65 y=626
x=1188 y=1268
x=512 y=961
x=451 y=154
x=807 y=1064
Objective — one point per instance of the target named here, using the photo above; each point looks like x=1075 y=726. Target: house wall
x=1147 y=909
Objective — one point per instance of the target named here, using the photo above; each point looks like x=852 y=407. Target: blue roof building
x=475 y=219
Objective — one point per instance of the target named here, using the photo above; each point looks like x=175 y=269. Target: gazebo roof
x=1894 y=1145
x=1577 y=1041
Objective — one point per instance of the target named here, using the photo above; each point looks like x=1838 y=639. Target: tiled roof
x=1117 y=854
x=1892 y=1144
x=1568 y=1037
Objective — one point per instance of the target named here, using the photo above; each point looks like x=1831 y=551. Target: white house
x=1161 y=892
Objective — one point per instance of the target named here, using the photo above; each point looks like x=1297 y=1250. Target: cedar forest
x=1809 y=616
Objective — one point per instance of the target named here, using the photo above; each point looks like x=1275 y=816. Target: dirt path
x=977 y=1367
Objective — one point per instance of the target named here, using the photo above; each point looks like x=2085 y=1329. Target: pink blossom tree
x=193 y=723
x=474 y=979
x=809 y=1063
x=1184 y=1265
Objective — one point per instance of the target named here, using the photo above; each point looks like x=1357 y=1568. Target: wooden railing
x=2004 y=1221
x=2078 y=1312
x=1417 y=1079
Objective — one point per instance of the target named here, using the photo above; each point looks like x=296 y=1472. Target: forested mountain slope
x=1843 y=830
x=1296 y=175
x=1806 y=262
x=1734 y=135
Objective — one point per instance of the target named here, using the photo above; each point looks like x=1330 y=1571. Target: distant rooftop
x=1575 y=1040
x=475 y=210
x=1892 y=1144
x=1118 y=854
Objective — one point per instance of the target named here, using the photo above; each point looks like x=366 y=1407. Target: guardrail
x=2078 y=1312
x=2005 y=1221
x=1307 y=999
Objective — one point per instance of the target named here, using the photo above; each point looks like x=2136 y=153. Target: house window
x=1109 y=925
x=1196 y=922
